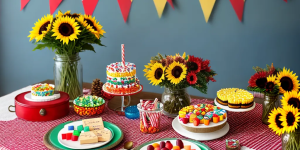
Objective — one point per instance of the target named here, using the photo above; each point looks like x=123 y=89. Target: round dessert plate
x=234 y=109
x=104 y=89
x=32 y=98
x=199 y=136
x=76 y=144
x=173 y=141
x=202 y=126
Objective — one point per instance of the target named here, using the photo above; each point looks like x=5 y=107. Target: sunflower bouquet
x=176 y=73
x=67 y=34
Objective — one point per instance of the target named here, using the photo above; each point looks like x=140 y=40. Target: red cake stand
x=121 y=110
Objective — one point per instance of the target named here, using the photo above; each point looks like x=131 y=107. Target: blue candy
x=70 y=128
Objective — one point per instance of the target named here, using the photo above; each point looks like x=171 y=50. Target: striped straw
x=123 y=54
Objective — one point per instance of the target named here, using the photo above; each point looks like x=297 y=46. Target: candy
x=176 y=148
x=221 y=118
x=86 y=129
x=70 y=128
x=155 y=145
x=76 y=133
x=74 y=138
x=192 y=117
x=64 y=136
x=150 y=147
x=187 y=147
x=162 y=144
x=215 y=118
x=185 y=120
x=69 y=136
x=179 y=143
x=206 y=122
x=89 y=101
x=169 y=146
x=196 y=122
x=202 y=121
x=79 y=128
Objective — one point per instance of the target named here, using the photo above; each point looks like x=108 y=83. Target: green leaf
x=42 y=46
x=88 y=47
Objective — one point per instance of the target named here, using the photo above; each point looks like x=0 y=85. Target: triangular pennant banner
x=207 y=7
x=89 y=6
x=238 y=6
x=24 y=3
x=160 y=6
x=125 y=8
x=53 y=5
x=171 y=3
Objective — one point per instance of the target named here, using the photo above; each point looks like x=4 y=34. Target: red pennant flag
x=171 y=3
x=238 y=6
x=89 y=6
x=285 y=0
x=125 y=8
x=24 y=3
x=53 y=5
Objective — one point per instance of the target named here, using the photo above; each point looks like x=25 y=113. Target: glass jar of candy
x=68 y=74
x=150 y=119
x=174 y=100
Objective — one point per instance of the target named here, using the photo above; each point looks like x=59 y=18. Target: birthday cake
x=42 y=92
x=121 y=79
x=235 y=98
x=202 y=118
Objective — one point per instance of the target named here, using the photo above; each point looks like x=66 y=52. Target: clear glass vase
x=174 y=100
x=270 y=102
x=291 y=141
x=68 y=74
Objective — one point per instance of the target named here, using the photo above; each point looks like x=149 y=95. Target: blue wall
x=269 y=33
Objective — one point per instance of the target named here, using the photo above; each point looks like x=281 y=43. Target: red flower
x=205 y=65
x=259 y=79
x=191 y=78
x=211 y=79
x=194 y=64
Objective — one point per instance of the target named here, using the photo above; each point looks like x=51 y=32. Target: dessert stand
x=121 y=110
x=234 y=109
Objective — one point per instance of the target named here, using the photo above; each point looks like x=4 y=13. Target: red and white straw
x=123 y=54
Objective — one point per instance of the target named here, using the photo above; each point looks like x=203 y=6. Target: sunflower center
x=290 y=119
x=194 y=66
x=270 y=85
x=294 y=102
x=261 y=82
x=66 y=29
x=286 y=83
x=176 y=71
x=278 y=122
x=44 y=27
x=158 y=73
x=91 y=24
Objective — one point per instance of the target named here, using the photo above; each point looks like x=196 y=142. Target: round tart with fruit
x=202 y=118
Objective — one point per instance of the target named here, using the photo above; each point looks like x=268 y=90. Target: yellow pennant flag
x=207 y=7
x=160 y=6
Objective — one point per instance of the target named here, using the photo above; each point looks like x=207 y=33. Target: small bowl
x=89 y=111
x=131 y=112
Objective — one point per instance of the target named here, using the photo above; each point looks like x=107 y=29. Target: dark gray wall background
x=269 y=33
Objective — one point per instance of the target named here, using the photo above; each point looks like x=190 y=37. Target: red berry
x=164 y=148
x=184 y=121
x=197 y=113
x=162 y=144
x=168 y=142
x=169 y=146
x=196 y=122
x=150 y=147
x=180 y=143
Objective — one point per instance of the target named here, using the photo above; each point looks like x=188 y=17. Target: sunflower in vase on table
x=67 y=34
x=176 y=73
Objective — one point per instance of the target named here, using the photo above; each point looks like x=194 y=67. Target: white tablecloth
x=7 y=100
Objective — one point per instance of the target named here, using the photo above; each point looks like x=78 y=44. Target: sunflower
x=176 y=72
x=291 y=99
x=270 y=85
x=194 y=64
x=288 y=80
x=95 y=27
x=191 y=78
x=147 y=68
x=274 y=120
x=290 y=118
x=259 y=79
x=66 y=29
x=41 y=28
x=156 y=74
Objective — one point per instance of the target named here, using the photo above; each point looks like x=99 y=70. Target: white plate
x=234 y=109
x=202 y=126
x=76 y=144
x=193 y=146
x=32 y=98
x=199 y=136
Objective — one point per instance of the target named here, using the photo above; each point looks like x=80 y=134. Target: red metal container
x=42 y=111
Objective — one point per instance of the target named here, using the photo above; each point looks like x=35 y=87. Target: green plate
x=118 y=136
x=200 y=145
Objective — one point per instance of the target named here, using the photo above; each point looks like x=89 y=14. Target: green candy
x=79 y=128
x=76 y=133
x=86 y=128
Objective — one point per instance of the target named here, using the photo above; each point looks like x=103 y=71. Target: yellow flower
x=95 y=27
x=66 y=29
x=41 y=28
x=290 y=118
x=274 y=120
x=287 y=81
x=291 y=99
x=176 y=72
x=156 y=74
x=184 y=55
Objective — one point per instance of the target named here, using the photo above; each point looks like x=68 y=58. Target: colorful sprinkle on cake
x=42 y=90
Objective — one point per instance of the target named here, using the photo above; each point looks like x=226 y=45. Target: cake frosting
x=121 y=79
x=42 y=90
x=235 y=98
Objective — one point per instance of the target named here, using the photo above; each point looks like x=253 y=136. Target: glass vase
x=174 y=100
x=291 y=141
x=270 y=102
x=68 y=74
